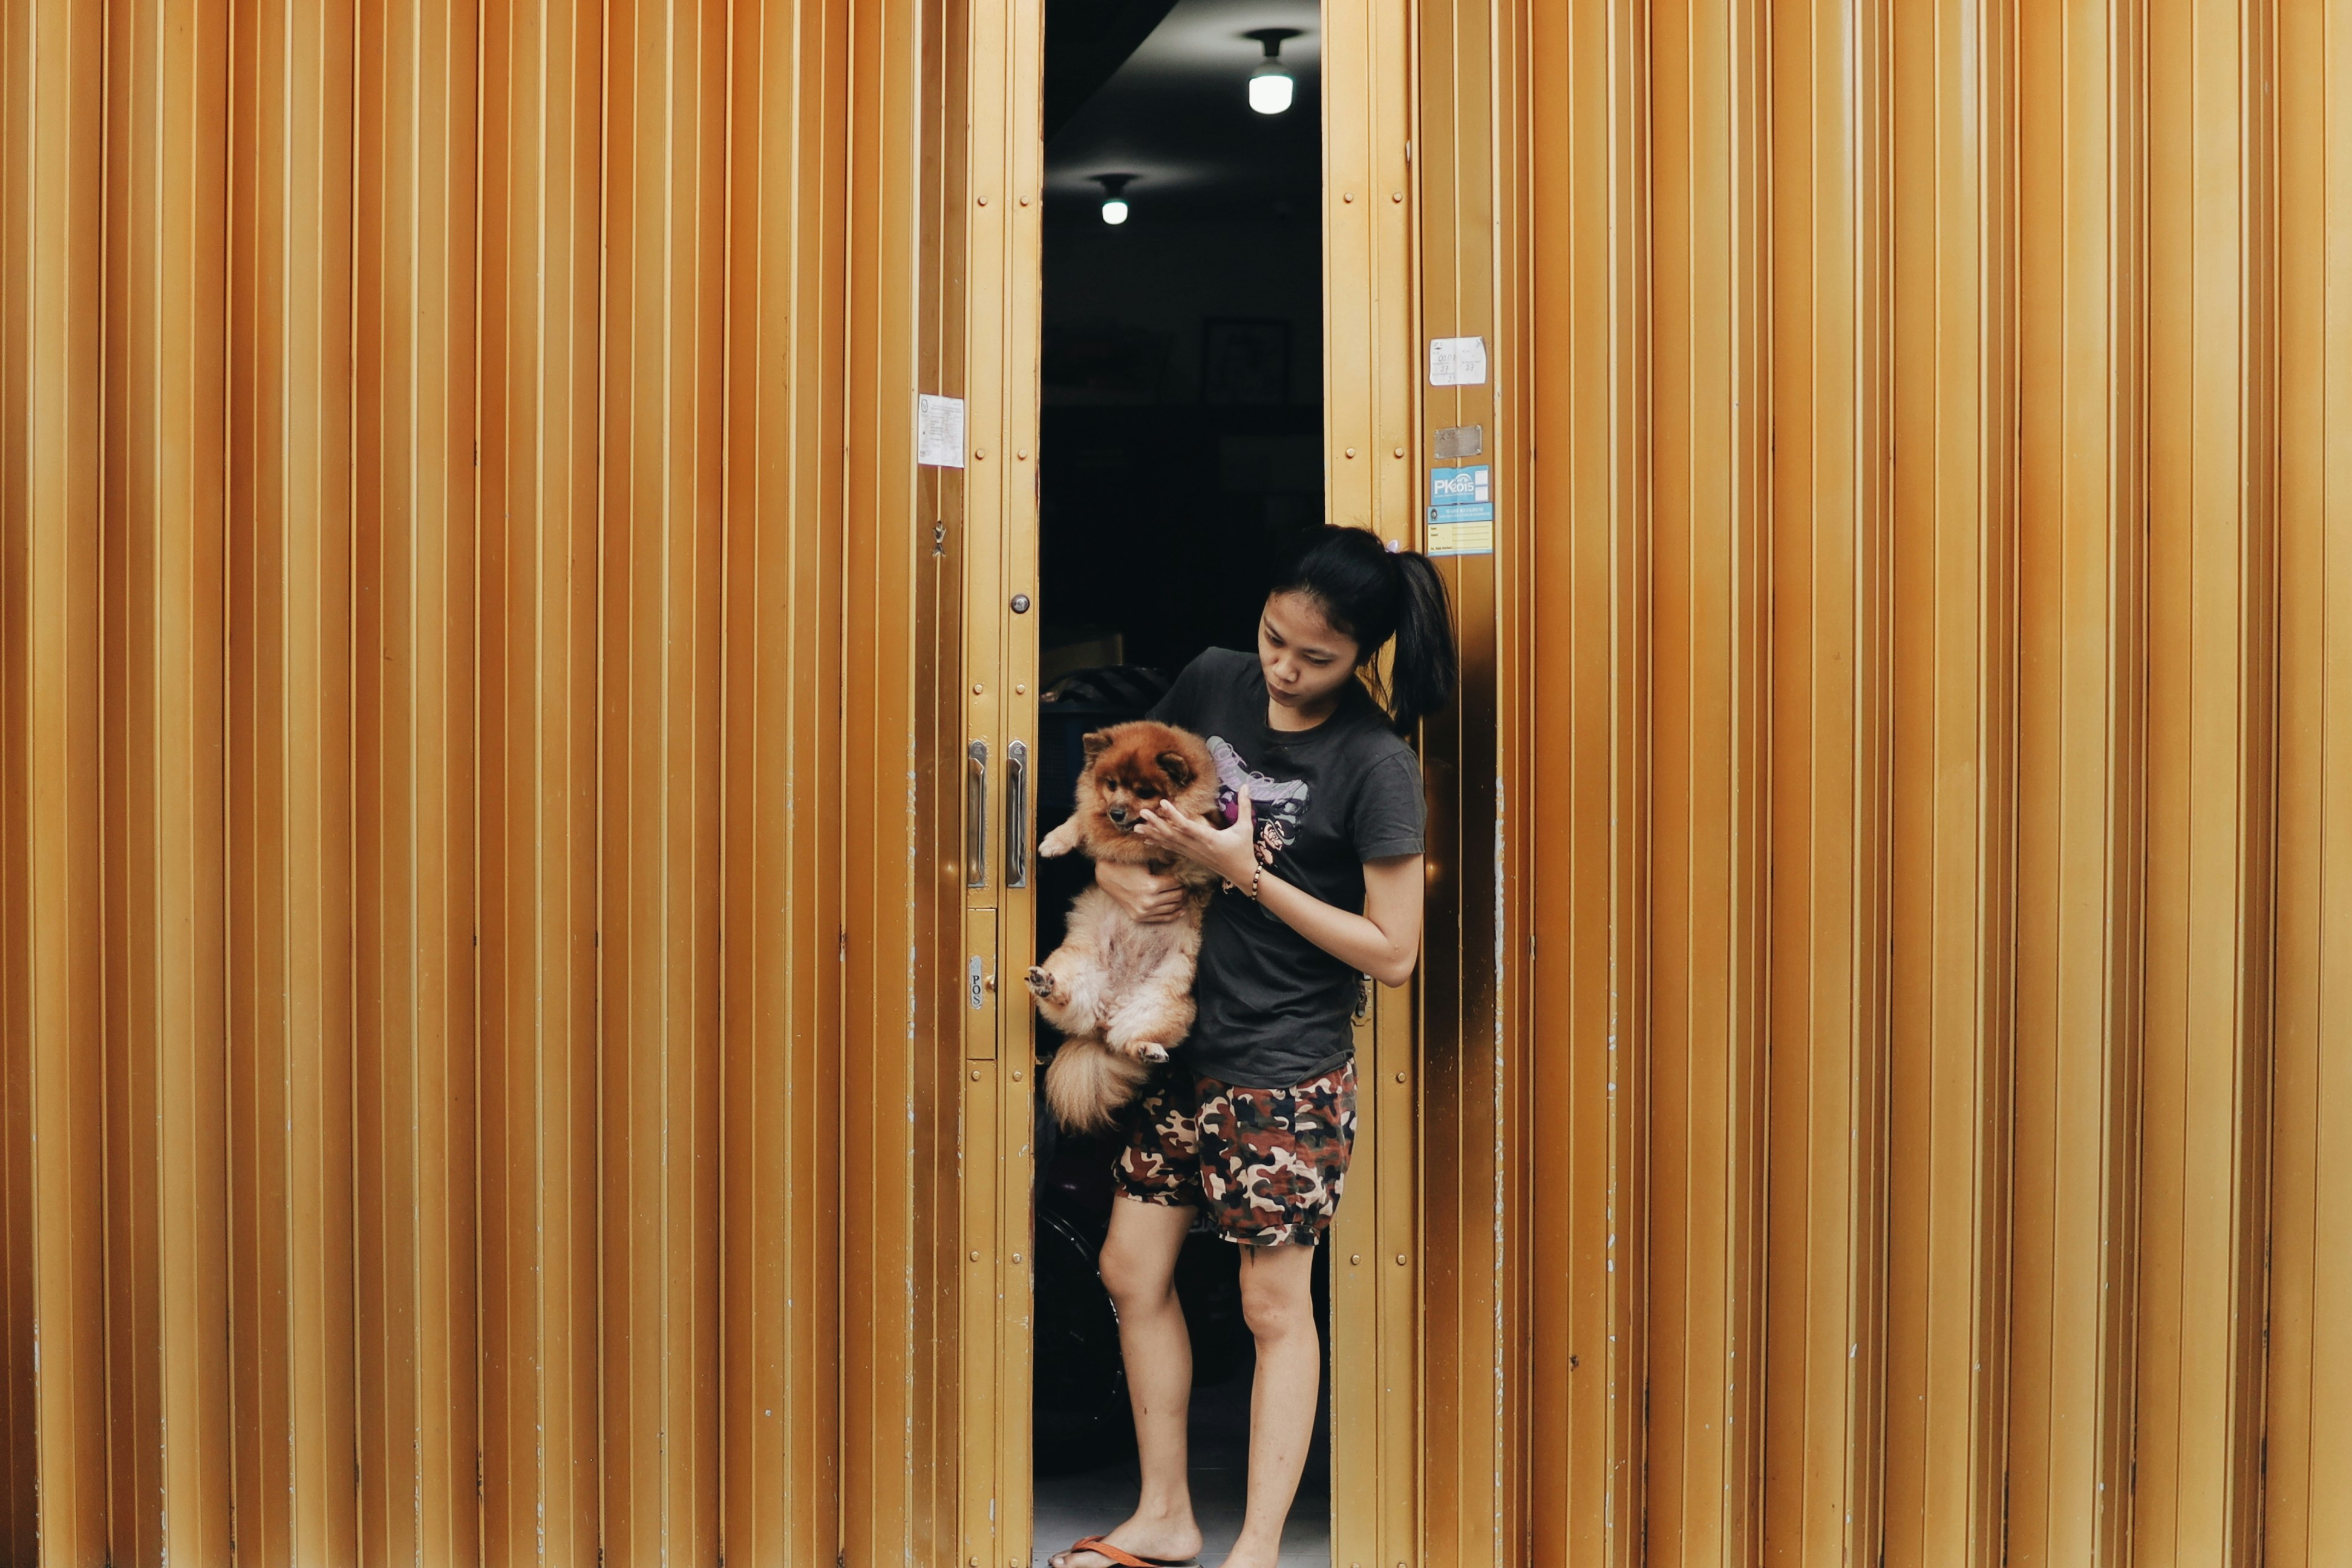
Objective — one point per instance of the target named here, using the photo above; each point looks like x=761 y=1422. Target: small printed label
x=938 y=431
x=978 y=984
x=1461 y=539
x=1457 y=361
x=1461 y=510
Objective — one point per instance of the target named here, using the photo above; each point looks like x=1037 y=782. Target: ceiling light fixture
x=1114 y=207
x=1271 y=85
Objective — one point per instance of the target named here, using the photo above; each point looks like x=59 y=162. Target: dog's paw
x=1150 y=1050
x=1044 y=987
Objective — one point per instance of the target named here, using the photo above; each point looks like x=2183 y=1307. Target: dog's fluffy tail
x=1086 y=1082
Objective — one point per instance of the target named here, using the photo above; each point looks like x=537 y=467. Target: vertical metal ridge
x=288 y=758
x=1456 y=1082
x=1519 y=1419
x=990 y=101
x=19 y=1199
x=163 y=641
x=2079 y=771
x=541 y=70
x=905 y=562
x=1372 y=444
x=1954 y=587
x=53 y=497
x=1830 y=545
x=1709 y=543
x=661 y=617
x=782 y=856
x=2308 y=1432
x=1586 y=638
x=413 y=758
x=2212 y=741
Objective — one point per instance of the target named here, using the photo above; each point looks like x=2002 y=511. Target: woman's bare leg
x=1279 y=1302
x=1138 y=1266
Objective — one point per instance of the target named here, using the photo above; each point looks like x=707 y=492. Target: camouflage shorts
x=1265 y=1164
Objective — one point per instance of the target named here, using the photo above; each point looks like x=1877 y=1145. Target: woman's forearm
x=1357 y=940
x=1383 y=941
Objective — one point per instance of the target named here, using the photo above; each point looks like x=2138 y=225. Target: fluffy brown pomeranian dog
x=1120 y=990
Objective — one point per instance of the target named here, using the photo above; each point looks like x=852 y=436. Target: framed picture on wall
x=1245 y=362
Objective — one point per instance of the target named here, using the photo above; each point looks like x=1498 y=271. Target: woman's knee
x=1134 y=1277
x=1277 y=1305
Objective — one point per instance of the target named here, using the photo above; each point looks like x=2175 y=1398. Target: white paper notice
x=1457 y=361
x=938 y=431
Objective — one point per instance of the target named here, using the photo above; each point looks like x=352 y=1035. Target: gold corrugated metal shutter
x=483 y=683
x=1935 y=764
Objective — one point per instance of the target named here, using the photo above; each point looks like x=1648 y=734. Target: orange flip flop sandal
x=1126 y=1559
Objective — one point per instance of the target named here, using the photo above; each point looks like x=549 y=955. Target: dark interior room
x=1180 y=448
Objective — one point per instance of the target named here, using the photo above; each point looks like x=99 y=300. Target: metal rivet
x=975 y=1075
x=1016 y=1257
x=1355 y=1258
x=1351 y=451
x=979 y=454
x=1020 y=603
x=1021 y=456
x=1025 y=201
x=1016 y=1075
x=1400 y=451
x=1399 y=1259
x=975 y=1257
x=1019 y=686
x=1347 y=195
x=1400 y=1078
x=983 y=202
x=1396 y=196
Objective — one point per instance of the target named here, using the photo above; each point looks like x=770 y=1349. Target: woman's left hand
x=1231 y=852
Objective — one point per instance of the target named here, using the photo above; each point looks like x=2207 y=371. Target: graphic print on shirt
x=1279 y=804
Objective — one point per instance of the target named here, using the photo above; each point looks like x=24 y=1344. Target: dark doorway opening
x=1180 y=447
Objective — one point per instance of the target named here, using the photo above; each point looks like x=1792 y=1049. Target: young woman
x=1253 y=1118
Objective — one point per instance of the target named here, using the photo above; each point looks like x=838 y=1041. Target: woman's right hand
x=1147 y=896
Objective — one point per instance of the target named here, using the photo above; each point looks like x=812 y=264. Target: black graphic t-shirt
x=1275 y=1009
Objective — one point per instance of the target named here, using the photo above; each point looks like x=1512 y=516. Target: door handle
x=1016 y=814
x=975 y=814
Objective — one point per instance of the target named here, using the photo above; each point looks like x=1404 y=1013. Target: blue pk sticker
x=1461 y=510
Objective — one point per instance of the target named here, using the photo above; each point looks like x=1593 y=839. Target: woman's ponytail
x=1373 y=593
x=1421 y=676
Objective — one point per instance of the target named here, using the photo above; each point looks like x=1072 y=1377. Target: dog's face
x=1131 y=767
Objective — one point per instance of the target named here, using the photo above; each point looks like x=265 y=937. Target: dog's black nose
x=1117 y=813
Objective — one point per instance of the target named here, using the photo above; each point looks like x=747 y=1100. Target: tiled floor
x=1071 y=1506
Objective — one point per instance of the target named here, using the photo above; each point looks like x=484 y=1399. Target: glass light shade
x=1270 y=88
x=1114 y=210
